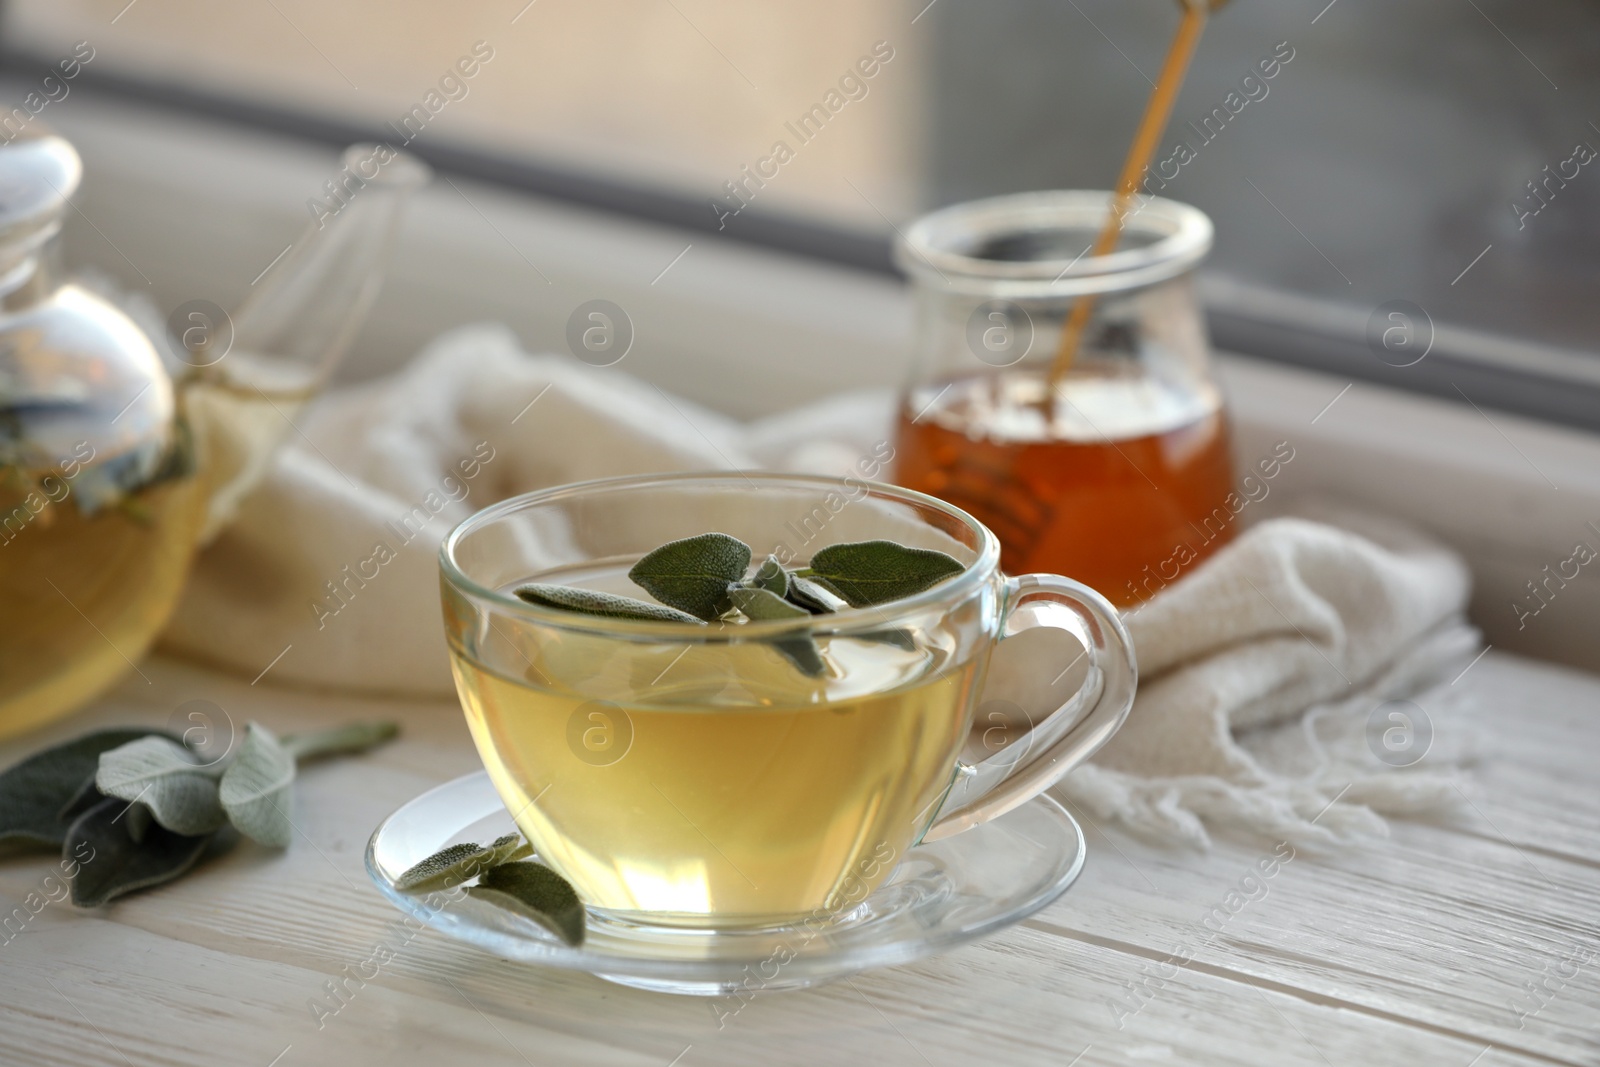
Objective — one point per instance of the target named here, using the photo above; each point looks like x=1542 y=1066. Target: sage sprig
x=167 y=780
x=132 y=808
x=43 y=795
x=704 y=579
x=117 y=859
x=254 y=791
x=530 y=890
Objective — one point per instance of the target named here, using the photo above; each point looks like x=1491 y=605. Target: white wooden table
x=1418 y=950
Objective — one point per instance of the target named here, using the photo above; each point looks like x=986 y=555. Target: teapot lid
x=39 y=171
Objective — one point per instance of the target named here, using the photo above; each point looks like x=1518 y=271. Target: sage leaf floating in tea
x=702 y=579
x=110 y=861
x=452 y=866
x=800 y=649
x=163 y=776
x=694 y=574
x=803 y=652
x=814 y=596
x=42 y=795
x=875 y=572
x=772 y=577
x=897 y=637
x=760 y=605
x=255 y=789
x=535 y=892
x=591 y=602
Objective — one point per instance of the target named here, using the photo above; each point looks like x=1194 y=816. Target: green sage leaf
x=803 y=653
x=41 y=796
x=772 y=577
x=897 y=637
x=535 y=892
x=139 y=820
x=591 y=602
x=86 y=797
x=694 y=574
x=876 y=572
x=800 y=649
x=165 y=777
x=110 y=862
x=452 y=866
x=814 y=596
x=762 y=605
x=340 y=740
x=256 y=788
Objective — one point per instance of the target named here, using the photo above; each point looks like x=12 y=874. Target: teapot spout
x=299 y=320
x=309 y=306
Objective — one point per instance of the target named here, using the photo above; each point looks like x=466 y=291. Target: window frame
x=1462 y=366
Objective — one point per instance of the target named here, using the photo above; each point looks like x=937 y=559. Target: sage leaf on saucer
x=42 y=795
x=452 y=866
x=110 y=861
x=530 y=890
x=163 y=776
x=875 y=572
x=694 y=574
x=591 y=602
x=535 y=892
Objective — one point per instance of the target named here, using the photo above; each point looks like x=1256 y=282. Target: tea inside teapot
x=112 y=474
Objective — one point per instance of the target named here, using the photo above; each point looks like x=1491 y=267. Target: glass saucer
x=943 y=894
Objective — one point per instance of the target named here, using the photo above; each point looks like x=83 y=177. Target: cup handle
x=1067 y=736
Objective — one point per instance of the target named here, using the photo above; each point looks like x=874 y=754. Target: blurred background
x=1430 y=152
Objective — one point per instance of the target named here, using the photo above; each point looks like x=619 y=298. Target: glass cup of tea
x=1109 y=462
x=692 y=776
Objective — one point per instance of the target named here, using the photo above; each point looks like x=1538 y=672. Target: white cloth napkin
x=329 y=578
x=330 y=573
x=1271 y=680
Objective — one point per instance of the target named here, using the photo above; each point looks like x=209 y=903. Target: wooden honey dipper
x=1003 y=483
x=1151 y=126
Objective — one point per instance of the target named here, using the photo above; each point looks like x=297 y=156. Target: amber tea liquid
x=1121 y=486
x=84 y=594
x=86 y=589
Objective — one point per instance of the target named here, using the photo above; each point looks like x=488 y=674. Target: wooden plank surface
x=1416 y=950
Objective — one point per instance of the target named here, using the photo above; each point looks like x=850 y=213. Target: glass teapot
x=115 y=470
